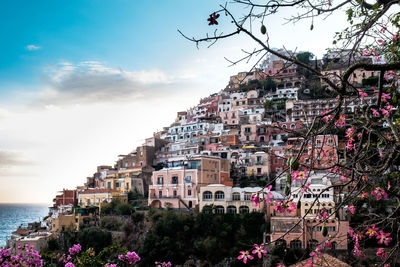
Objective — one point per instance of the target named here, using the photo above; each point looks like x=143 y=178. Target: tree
x=371 y=157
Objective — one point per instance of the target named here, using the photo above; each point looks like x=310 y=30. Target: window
x=231 y=210
x=160 y=180
x=295 y=244
x=219 y=210
x=174 y=180
x=175 y=193
x=236 y=196
x=292 y=126
x=189 y=192
x=331 y=228
x=117 y=184
x=219 y=195
x=109 y=185
x=247 y=196
x=207 y=195
x=160 y=194
x=244 y=209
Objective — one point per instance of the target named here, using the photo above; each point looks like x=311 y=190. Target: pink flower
x=323 y=214
x=375 y=112
x=352 y=209
x=305 y=188
x=328 y=244
x=244 y=256
x=388 y=186
x=259 y=250
x=383 y=238
x=213 y=19
x=256 y=199
x=75 y=249
x=285 y=206
x=379 y=192
x=341 y=121
x=372 y=231
x=382 y=253
x=163 y=264
x=364 y=195
x=366 y=52
x=268 y=194
x=361 y=93
x=350 y=132
x=299 y=175
x=69 y=264
x=131 y=257
x=111 y=265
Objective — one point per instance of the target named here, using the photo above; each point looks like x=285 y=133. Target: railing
x=164 y=197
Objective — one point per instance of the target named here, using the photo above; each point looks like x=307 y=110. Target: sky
x=82 y=82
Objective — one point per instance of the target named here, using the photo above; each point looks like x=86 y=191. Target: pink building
x=178 y=187
x=321 y=151
x=230 y=117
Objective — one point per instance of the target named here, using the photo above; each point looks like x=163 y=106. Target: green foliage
x=110 y=223
x=123 y=209
x=269 y=85
x=208 y=237
x=370 y=81
x=305 y=57
x=94 y=238
x=137 y=217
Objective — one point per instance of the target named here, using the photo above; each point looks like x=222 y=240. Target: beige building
x=260 y=164
x=94 y=197
x=228 y=199
x=37 y=239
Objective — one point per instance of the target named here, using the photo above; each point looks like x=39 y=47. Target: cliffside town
x=215 y=155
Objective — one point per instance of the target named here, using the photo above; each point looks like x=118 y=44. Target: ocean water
x=13 y=215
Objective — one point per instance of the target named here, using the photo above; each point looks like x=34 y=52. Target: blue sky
x=82 y=82
x=125 y=34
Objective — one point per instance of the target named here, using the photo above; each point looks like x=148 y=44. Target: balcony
x=164 y=197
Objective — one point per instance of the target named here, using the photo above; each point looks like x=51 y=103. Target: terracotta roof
x=21 y=231
x=324 y=261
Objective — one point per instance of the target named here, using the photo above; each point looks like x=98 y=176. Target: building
x=178 y=184
x=228 y=199
x=96 y=196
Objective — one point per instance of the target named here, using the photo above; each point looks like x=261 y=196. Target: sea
x=14 y=215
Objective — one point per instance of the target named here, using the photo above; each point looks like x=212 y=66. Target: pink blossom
x=285 y=206
x=244 y=256
x=361 y=93
x=323 y=214
x=364 y=195
x=350 y=132
x=131 y=257
x=259 y=250
x=375 y=112
x=388 y=186
x=379 y=192
x=352 y=209
x=299 y=175
x=341 y=121
x=163 y=264
x=305 y=188
x=256 y=199
x=366 y=52
x=111 y=265
x=382 y=253
x=75 y=249
x=372 y=231
x=268 y=194
x=383 y=238
x=69 y=264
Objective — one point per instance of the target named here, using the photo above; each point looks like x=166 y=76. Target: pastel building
x=178 y=184
x=97 y=196
x=227 y=199
x=307 y=233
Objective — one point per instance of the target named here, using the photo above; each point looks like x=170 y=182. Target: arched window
x=244 y=209
x=231 y=210
x=295 y=244
x=236 y=196
x=312 y=244
x=207 y=195
x=219 y=210
x=219 y=195
x=262 y=139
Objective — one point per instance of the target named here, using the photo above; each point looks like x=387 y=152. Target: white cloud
x=32 y=47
